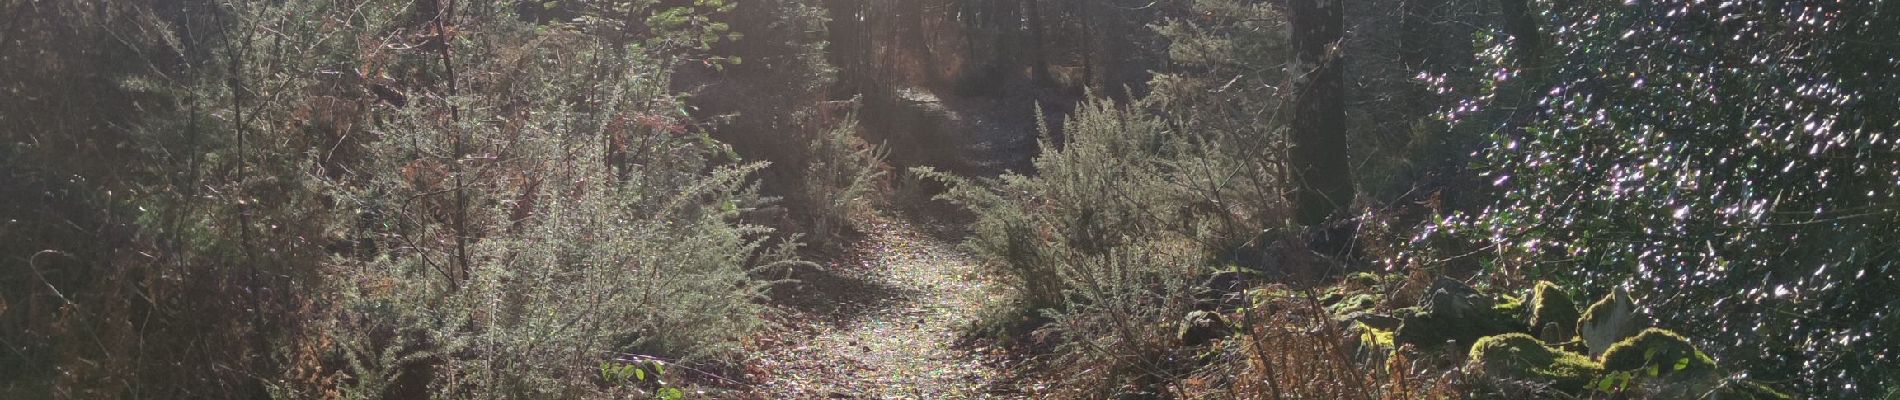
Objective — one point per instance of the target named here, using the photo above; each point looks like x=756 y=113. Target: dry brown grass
x=1291 y=348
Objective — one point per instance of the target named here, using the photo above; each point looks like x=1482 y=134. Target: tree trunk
x=849 y=49
x=1039 y=62
x=1081 y=9
x=1323 y=190
x=1521 y=24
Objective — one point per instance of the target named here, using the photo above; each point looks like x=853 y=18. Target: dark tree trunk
x=1318 y=161
x=850 y=50
x=914 y=42
x=1521 y=24
x=1417 y=52
x=1039 y=62
x=1081 y=10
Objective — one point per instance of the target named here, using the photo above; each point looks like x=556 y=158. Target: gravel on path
x=881 y=323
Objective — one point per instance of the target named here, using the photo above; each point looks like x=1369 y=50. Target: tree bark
x=1081 y=9
x=1323 y=190
x=1039 y=62
x=1521 y=24
x=850 y=50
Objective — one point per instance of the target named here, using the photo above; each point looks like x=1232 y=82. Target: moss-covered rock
x=1366 y=279
x=1659 y=352
x=1520 y=357
x=1553 y=316
x=1372 y=319
x=1509 y=306
x=1370 y=343
x=1376 y=337
x=1658 y=363
x=1608 y=321
x=1453 y=312
x=1355 y=302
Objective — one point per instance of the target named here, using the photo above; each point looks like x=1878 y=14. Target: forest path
x=881 y=322
x=969 y=135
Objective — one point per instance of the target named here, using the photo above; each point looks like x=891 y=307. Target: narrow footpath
x=881 y=323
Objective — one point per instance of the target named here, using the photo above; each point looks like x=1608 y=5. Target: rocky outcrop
x=1354 y=303
x=1539 y=345
x=1655 y=363
x=1553 y=316
x=1455 y=313
x=1658 y=363
x=1609 y=320
x=1660 y=351
x=1520 y=357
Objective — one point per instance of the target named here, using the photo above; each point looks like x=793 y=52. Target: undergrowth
x=381 y=199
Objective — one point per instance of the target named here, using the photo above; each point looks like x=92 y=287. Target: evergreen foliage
x=1727 y=159
x=372 y=200
x=1102 y=239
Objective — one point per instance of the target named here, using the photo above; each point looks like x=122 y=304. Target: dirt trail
x=978 y=136
x=881 y=324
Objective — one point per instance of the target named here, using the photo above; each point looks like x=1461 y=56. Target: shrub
x=1742 y=195
x=841 y=172
x=1110 y=237
x=363 y=200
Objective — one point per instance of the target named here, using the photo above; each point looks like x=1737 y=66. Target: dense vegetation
x=1187 y=199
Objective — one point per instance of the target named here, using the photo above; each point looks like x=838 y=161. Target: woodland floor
x=882 y=322
x=883 y=317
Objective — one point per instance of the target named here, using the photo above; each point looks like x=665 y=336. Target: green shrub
x=1111 y=235
x=579 y=258
x=841 y=172
x=362 y=200
x=1722 y=163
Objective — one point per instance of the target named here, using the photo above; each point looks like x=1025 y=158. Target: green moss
x=1366 y=279
x=1374 y=345
x=1357 y=302
x=1332 y=295
x=1608 y=321
x=1408 y=312
x=1594 y=311
x=1509 y=306
x=1460 y=319
x=1518 y=356
x=1550 y=305
x=1659 y=352
x=1376 y=337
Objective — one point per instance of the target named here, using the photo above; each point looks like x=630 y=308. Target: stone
x=1203 y=327
x=1520 y=357
x=1224 y=289
x=1371 y=319
x=1552 y=313
x=1453 y=312
x=1356 y=302
x=1371 y=344
x=1608 y=321
x=1366 y=279
x=1659 y=353
x=1664 y=364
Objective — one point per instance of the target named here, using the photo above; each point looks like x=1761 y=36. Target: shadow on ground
x=835 y=293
